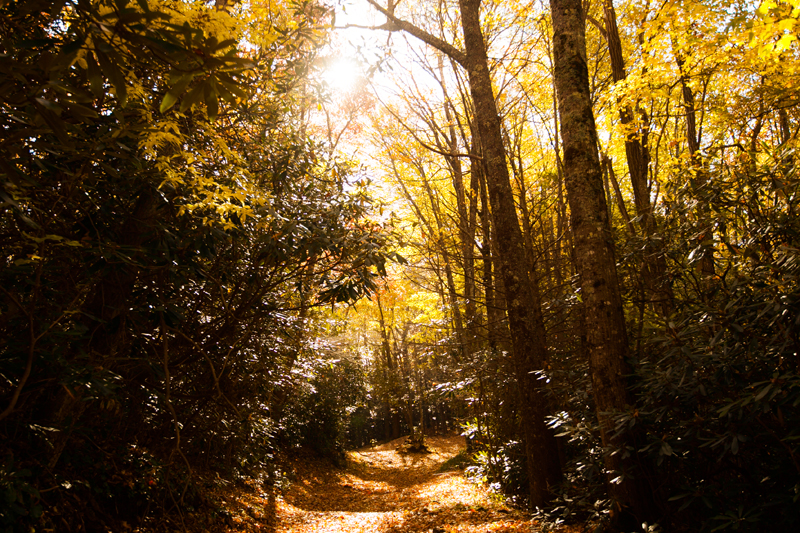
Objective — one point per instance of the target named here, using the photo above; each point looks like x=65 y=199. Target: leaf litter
x=381 y=491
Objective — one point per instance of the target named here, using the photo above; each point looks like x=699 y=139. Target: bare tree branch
x=395 y=24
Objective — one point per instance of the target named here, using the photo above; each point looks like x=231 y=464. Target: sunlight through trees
x=238 y=232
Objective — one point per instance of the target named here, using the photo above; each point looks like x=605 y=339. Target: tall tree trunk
x=786 y=130
x=606 y=337
x=523 y=301
x=623 y=209
x=522 y=297
x=391 y=381
x=635 y=149
x=437 y=233
x=466 y=214
x=515 y=160
x=562 y=231
x=654 y=266
x=455 y=307
x=494 y=315
x=706 y=264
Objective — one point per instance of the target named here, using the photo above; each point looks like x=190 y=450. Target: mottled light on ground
x=383 y=491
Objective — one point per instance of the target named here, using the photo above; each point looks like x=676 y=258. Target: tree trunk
x=391 y=377
x=494 y=315
x=523 y=300
x=706 y=264
x=466 y=215
x=623 y=210
x=654 y=266
x=516 y=162
x=524 y=309
x=438 y=233
x=606 y=337
x=635 y=149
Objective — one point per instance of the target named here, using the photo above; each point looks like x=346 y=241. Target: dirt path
x=382 y=491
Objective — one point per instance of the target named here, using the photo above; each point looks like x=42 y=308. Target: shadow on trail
x=383 y=491
x=366 y=487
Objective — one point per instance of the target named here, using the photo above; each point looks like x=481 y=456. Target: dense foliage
x=718 y=390
x=167 y=230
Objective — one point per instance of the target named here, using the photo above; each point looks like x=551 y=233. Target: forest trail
x=383 y=491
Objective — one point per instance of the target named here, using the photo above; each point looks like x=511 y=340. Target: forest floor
x=385 y=491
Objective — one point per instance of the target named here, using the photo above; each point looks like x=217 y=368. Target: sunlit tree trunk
x=437 y=232
x=635 y=149
x=522 y=298
x=620 y=201
x=516 y=161
x=638 y=158
x=606 y=336
x=466 y=214
x=494 y=314
x=391 y=381
x=706 y=264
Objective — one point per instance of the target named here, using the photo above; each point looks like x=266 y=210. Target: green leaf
x=95 y=75
x=224 y=93
x=666 y=449
x=169 y=100
x=679 y=496
x=242 y=62
x=49 y=104
x=73 y=46
x=225 y=44
x=82 y=112
x=763 y=392
x=114 y=75
x=193 y=97
x=179 y=84
x=212 y=104
x=233 y=89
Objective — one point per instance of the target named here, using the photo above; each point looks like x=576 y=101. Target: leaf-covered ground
x=383 y=491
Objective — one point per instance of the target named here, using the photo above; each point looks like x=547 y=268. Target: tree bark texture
x=659 y=292
x=623 y=210
x=705 y=266
x=606 y=336
x=494 y=314
x=524 y=310
x=635 y=149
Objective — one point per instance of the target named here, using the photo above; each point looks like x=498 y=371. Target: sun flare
x=341 y=75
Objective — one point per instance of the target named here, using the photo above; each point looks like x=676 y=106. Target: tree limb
x=395 y=24
x=596 y=24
